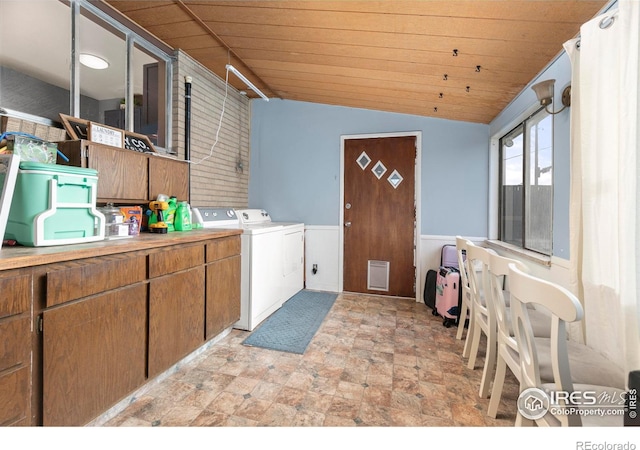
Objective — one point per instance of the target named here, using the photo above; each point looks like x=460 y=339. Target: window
x=36 y=68
x=34 y=79
x=526 y=184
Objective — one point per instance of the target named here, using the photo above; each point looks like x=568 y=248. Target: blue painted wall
x=295 y=164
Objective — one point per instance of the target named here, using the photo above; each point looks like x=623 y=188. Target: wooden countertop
x=18 y=257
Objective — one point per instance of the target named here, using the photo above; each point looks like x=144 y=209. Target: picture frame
x=104 y=134
x=78 y=128
x=138 y=142
x=75 y=127
x=9 y=165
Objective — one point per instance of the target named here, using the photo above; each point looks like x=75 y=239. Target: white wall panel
x=322 y=248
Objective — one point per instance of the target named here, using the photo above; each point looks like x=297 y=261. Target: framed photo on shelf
x=96 y=132
x=103 y=134
x=138 y=142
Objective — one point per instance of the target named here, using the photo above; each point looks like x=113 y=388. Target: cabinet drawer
x=223 y=248
x=93 y=276
x=14 y=392
x=16 y=294
x=15 y=342
x=175 y=259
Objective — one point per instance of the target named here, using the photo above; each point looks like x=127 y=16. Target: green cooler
x=54 y=205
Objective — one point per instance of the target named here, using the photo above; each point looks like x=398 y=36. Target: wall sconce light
x=544 y=92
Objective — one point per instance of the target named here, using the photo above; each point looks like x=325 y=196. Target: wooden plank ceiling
x=454 y=59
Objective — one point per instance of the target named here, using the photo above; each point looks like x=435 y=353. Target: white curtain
x=604 y=181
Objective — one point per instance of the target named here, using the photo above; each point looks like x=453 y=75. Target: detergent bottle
x=170 y=214
x=182 y=221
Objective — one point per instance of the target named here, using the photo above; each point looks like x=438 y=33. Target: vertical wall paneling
x=321 y=249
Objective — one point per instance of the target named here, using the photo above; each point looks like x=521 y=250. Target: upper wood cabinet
x=168 y=176
x=127 y=176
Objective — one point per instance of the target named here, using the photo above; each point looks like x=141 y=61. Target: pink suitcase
x=448 y=295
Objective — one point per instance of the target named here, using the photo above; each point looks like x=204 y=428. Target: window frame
x=133 y=37
x=526 y=168
x=63 y=82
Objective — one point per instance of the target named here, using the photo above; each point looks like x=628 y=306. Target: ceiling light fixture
x=544 y=92
x=246 y=81
x=93 y=62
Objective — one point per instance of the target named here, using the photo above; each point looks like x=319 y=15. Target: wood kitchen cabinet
x=127 y=176
x=223 y=285
x=176 y=305
x=15 y=348
x=94 y=336
x=93 y=354
x=84 y=326
x=168 y=176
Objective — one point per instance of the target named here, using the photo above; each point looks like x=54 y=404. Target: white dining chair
x=507 y=347
x=565 y=410
x=483 y=320
x=465 y=307
x=486 y=317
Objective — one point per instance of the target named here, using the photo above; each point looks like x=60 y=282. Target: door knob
x=347 y=224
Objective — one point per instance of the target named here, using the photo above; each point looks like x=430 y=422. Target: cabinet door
x=122 y=174
x=94 y=354
x=168 y=176
x=15 y=348
x=223 y=295
x=176 y=317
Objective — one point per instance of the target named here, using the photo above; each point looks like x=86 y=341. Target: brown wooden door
x=379 y=216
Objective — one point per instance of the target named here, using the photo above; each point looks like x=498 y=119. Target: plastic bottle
x=170 y=215
x=182 y=221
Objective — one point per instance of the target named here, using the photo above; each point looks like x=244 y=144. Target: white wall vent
x=378 y=276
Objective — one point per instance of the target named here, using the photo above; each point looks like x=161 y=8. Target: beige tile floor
x=375 y=361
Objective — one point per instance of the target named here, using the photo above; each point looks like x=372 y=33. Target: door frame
x=416 y=253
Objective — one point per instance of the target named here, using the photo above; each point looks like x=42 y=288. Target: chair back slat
x=498 y=276
x=564 y=307
x=478 y=264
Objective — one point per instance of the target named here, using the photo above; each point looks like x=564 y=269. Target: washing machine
x=272 y=265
